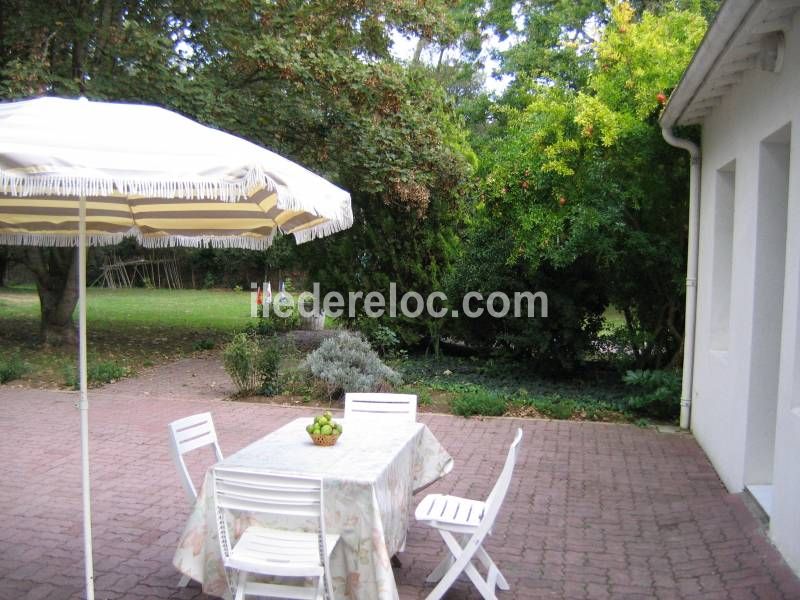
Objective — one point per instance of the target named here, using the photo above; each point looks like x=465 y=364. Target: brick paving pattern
x=595 y=510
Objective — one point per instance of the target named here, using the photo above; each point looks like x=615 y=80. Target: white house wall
x=729 y=418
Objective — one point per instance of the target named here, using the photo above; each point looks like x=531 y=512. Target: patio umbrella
x=78 y=173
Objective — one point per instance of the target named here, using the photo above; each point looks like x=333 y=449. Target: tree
x=583 y=187
x=314 y=81
x=117 y=49
x=556 y=36
x=638 y=59
x=56 y=281
x=341 y=105
x=5 y=261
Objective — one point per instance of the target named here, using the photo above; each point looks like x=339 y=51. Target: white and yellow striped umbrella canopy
x=152 y=174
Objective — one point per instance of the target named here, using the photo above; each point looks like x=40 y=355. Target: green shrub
x=554 y=407
x=558 y=406
x=601 y=411
x=423 y=395
x=382 y=338
x=347 y=363
x=204 y=344
x=209 y=281
x=299 y=382
x=287 y=323
x=658 y=393
x=480 y=402
x=273 y=324
x=97 y=373
x=11 y=367
x=252 y=364
x=295 y=382
x=263 y=327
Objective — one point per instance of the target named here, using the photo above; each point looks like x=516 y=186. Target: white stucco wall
x=748 y=387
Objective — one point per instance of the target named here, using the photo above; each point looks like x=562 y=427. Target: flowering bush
x=347 y=363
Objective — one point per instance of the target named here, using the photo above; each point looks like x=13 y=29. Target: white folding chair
x=398 y=406
x=187 y=434
x=471 y=521
x=267 y=552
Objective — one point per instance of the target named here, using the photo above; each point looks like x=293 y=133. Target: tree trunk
x=421 y=44
x=4 y=260
x=56 y=281
x=78 y=46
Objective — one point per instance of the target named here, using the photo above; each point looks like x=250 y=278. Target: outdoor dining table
x=369 y=477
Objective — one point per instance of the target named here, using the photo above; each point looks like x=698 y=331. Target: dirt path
x=200 y=377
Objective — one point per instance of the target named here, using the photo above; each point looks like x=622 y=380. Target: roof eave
x=732 y=14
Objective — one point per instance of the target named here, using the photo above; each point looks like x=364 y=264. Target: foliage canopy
x=562 y=183
x=581 y=198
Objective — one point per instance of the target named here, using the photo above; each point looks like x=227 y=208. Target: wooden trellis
x=159 y=272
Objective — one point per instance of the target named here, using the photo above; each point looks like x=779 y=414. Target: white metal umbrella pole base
x=83 y=405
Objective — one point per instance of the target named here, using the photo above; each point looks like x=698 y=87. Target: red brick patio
x=595 y=511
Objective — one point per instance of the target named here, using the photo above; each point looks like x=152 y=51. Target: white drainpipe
x=691 y=271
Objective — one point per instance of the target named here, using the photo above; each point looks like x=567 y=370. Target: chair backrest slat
x=191 y=433
x=193 y=443
x=266 y=508
x=190 y=428
x=381 y=405
x=198 y=420
x=265 y=493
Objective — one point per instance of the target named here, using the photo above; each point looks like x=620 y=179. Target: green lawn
x=193 y=309
x=131 y=327
x=134 y=328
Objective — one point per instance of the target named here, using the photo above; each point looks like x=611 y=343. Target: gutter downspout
x=691 y=272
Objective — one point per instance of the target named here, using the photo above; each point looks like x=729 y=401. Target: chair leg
x=241 y=584
x=440 y=569
x=185 y=579
x=487 y=561
x=462 y=563
x=327 y=583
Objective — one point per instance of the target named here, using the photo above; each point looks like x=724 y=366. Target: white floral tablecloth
x=368 y=480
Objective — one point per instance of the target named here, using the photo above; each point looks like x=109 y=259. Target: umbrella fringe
x=59 y=240
x=324 y=229
x=207 y=241
x=78 y=185
x=163 y=241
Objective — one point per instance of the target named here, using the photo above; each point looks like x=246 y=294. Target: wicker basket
x=324 y=440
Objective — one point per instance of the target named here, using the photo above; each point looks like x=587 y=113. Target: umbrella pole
x=84 y=405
